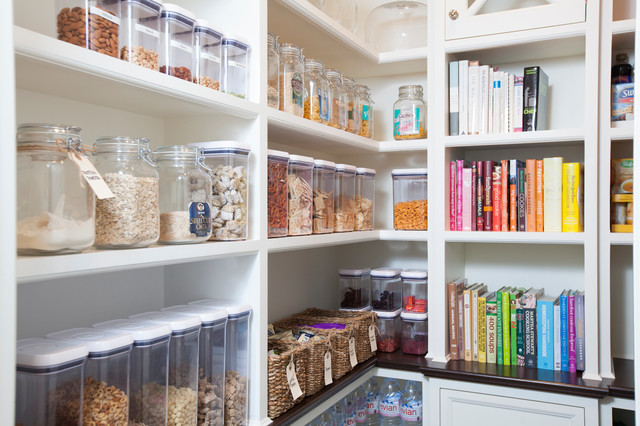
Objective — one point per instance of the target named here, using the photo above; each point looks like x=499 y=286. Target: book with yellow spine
x=572 y=197
x=482 y=325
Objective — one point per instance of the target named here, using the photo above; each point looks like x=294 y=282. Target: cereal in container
x=410 y=199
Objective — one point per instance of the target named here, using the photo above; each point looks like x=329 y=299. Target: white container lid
x=202 y=23
x=233 y=309
x=207 y=314
x=385 y=272
x=222 y=146
x=141 y=331
x=170 y=7
x=177 y=322
x=276 y=153
x=345 y=168
x=354 y=272
x=42 y=352
x=156 y=3
x=388 y=314
x=365 y=309
x=414 y=274
x=414 y=316
x=409 y=172
x=96 y=340
x=365 y=171
x=300 y=159
x=324 y=163
x=230 y=38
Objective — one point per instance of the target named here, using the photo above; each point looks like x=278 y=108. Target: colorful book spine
x=482 y=325
x=506 y=328
x=488 y=194
x=453 y=319
x=468 y=329
x=564 y=331
x=466 y=199
x=452 y=196
x=517 y=115
x=552 y=181
x=474 y=196
x=480 y=197
x=531 y=195
x=519 y=333
x=544 y=326
x=463 y=97
x=571 y=324
x=460 y=165
x=453 y=98
x=522 y=198
x=535 y=88
x=504 y=210
x=461 y=342
x=499 y=343
x=475 y=292
x=492 y=329
x=513 y=194
x=557 y=351
x=529 y=305
x=539 y=196
x=572 y=197
x=497 y=198
x=580 y=331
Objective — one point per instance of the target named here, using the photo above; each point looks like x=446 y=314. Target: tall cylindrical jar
x=94 y=24
x=277 y=198
x=273 y=71
x=185 y=195
x=409 y=113
x=140 y=32
x=345 y=198
x=55 y=205
x=366 y=110
x=351 y=102
x=206 y=55
x=176 y=54
x=291 y=79
x=131 y=218
x=337 y=109
x=315 y=92
x=300 y=185
x=323 y=181
x=365 y=198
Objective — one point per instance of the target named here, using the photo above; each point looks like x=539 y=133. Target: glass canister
x=337 y=109
x=365 y=198
x=210 y=359
x=94 y=24
x=148 y=373
x=131 y=218
x=415 y=330
x=365 y=103
x=410 y=199
x=55 y=205
x=352 y=104
x=277 y=198
x=106 y=373
x=300 y=185
x=323 y=181
x=291 y=79
x=273 y=71
x=235 y=66
x=182 y=400
x=409 y=113
x=176 y=53
x=236 y=401
x=414 y=291
x=345 y=198
x=355 y=288
x=316 y=87
x=49 y=379
x=386 y=289
x=229 y=165
x=185 y=195
x=389 y=336
x=206 y=55
x=140 y=32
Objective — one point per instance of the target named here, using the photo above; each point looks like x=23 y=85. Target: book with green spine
x=499 y=334
x=492 y=326
x=514 y=295
x=506 y=328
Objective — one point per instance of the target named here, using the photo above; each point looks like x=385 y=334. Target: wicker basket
x=279 y=395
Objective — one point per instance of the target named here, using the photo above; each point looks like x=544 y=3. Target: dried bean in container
x=183 y=73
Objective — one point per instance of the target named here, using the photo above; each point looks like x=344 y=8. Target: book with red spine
x=452 y=196
x=505 y=197
x=531 y=195
x=474 y=198
x=522 y=196
x=467 y=212
x=539 y=196
x=479 y=214
x=497 y=198
x=488 y=194
x=460 y=164
x=513 y=195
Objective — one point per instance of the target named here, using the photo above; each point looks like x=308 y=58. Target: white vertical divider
x=636 y=236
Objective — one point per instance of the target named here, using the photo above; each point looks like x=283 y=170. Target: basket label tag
x=328 y=377
x=352 y=352
x=372 y=338
x=294 y=386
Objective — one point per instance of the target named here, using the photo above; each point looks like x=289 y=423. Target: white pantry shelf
x=625 y=26
x=37 y=268
x=516 y=138
x=316 y=241
x=622 y=131
x=393 y=235
x=621 y=238
x=47 y=65
x=414 y=145
x=574 y=238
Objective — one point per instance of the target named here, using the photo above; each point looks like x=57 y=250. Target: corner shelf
x=569 y=238
x=320 y=240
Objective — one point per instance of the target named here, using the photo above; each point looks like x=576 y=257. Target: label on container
x=181 y=46
x=91 y=175
x=297 y=89
x=200 y=219
x=351 y=420
x=328 y=376
x=352 y=352
x=294 y=386
x=372 y=338
x=365 y=112
x=361 y=415
x=411 y=411
x=148 y=31
x=236 y=64
x=622 y=102
x=95 y=10
x=372 y=405
x=323 y=105
x=210 y=57
x=406 y=121
x=390 y=406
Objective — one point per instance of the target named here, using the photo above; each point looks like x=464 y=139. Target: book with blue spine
x=557 y=355
x=544 y=326
x=564 y=330
x=580 y=331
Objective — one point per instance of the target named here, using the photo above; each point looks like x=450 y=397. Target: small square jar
x=410 y=199
x=277 y=201
x=386 y=289
x=414 y=291
x=300 y=185
x=235 y=66
x=345 y=198
x=355 y=288
x=140 y=32
x=415 y=329
x=176 y=54
x=323 y=180
x=389 y=336
x=94 y=24
x=365 y=198
x=206 y=55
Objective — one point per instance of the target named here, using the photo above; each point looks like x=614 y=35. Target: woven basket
x=279 y=397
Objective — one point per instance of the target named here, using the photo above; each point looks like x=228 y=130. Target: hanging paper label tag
x=91 y=175
x=372 y=338
x=352 y=352
x=328 y=376
x=294 y=386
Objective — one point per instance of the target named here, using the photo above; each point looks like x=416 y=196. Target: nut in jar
x=94 y=25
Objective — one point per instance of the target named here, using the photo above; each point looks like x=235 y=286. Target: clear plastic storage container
x=386 y=289
x=94 y=24
x=316 y=87
x=365 y=198
x=355 y=288
x=365 y=104
x=291 y=79
x=351 y=101
x=106 y=373
x=49 y=379
x=236 y=360
x=415 y=331
x=207 y=61
x=176 y=54
x=277 y=198
x=345 y=198
x=323 y=181
x=389 y=336
x=410 y=199
x=337 y=109
x=148 y=374
x=229 y=164
x=210 y=359
x=300 y=185
x=140 y=32
x=55 y=206
x=131 y=218
x=273 y=71
x=235 y=66
x=409 y=113
x=397 y=25
x=182 y=401
x=414 y=291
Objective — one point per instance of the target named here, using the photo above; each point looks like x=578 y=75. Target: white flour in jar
x=50 y=232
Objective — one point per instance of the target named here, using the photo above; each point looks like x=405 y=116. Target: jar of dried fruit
x=206 y=64
x=315 y=92
x=337 y=108
x=365 y=104
x=409 y=113
x=352 y=105
x=291 y=79
x=273 y=69
x=94 y=24
x=176 y=54
x=140 y=32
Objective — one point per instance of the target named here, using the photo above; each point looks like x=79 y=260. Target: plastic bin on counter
x=386 y=289
x=140 y=32
x=345 y=198
x=300 y=185
x=106 y=372
x=176 y=54
x=323 y=181
x=148 y=373
x=365 y=198
x=389 y=336
x=236 y=402
x=235 y=66
x=355 y=288
x=182 y=401
x=415 y=331
x=410 y=199
x=414 y=291
x=207 y=61
x=277 y=203
x=49 y=379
